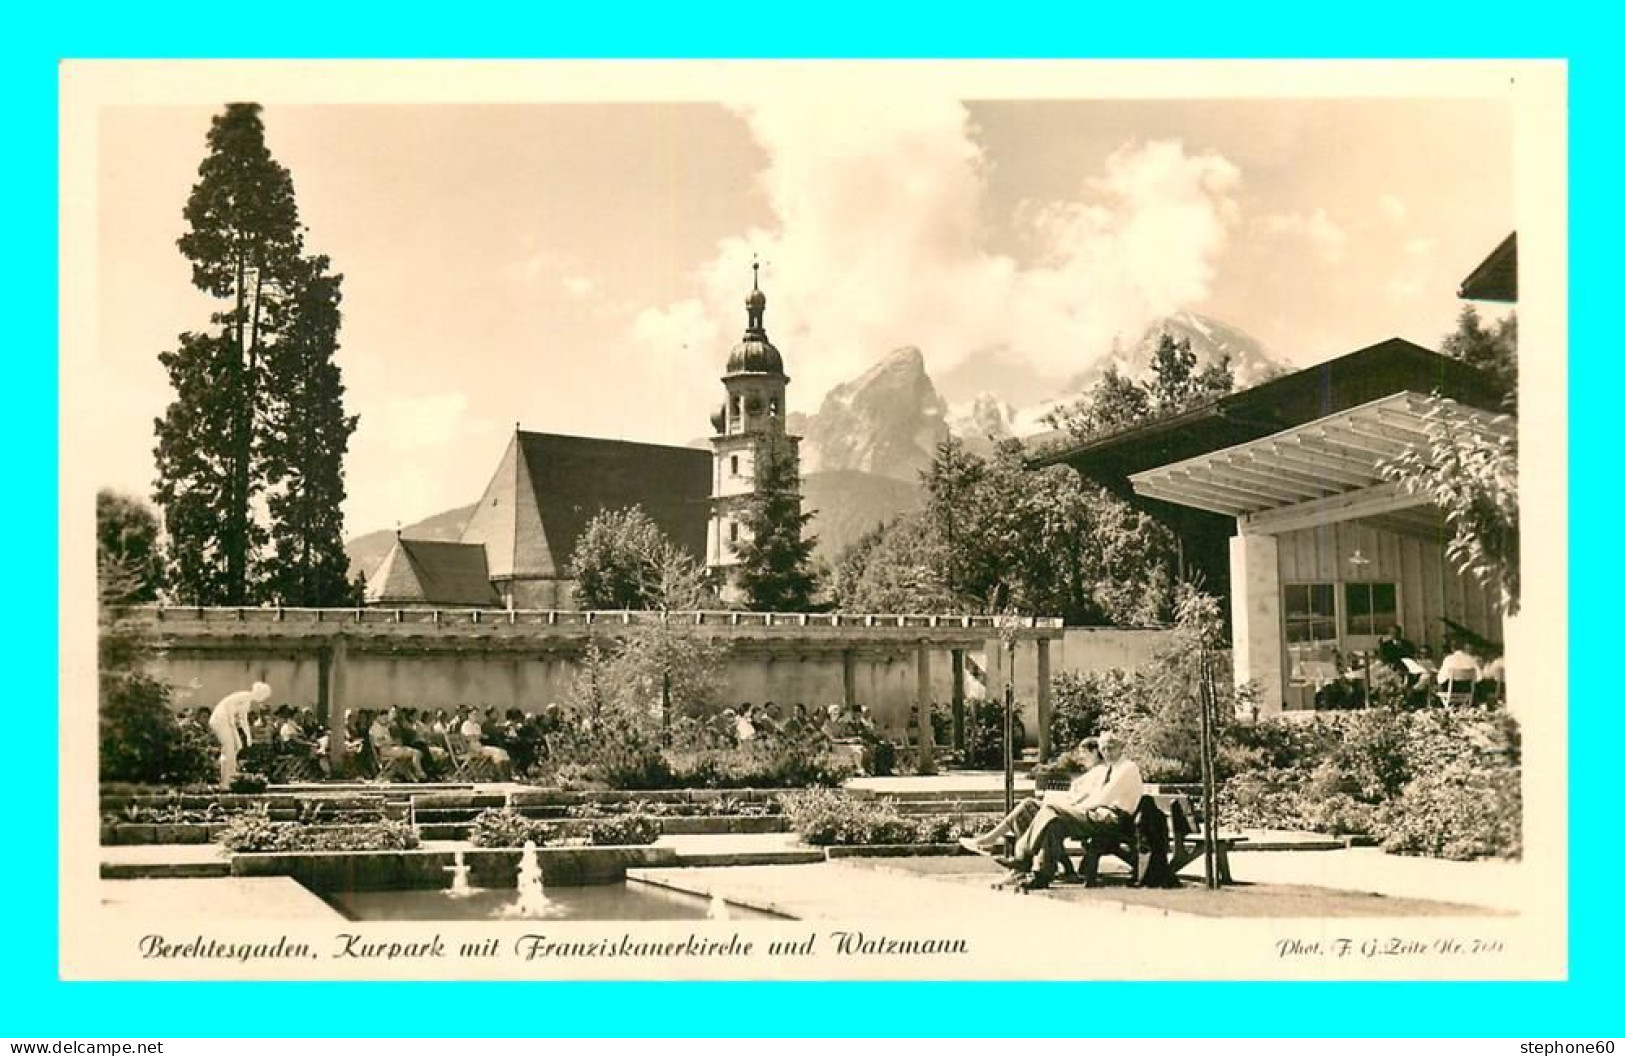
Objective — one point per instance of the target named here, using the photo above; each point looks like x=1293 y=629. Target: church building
x=515 y=549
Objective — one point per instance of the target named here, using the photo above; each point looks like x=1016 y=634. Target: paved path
x=1497 y=884
x=176 y=903
x=955 y=781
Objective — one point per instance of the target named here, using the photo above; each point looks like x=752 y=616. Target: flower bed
x=1438 y=783
x=507 y=828
x=254 y=832
x=827 y=817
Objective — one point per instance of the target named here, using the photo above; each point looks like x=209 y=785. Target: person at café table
x=1457 y=660
x=1393 y=648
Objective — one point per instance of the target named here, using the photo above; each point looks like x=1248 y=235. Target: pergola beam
x=1250 y=497
x=1180 y=495
x=1305 y=485
x=1368 y=502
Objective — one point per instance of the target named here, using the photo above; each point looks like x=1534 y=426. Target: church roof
x=424 y=572
x=1496 y=279
x=755 y=354
x=548 y=487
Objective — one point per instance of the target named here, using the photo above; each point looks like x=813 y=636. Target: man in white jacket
x=1108 y=809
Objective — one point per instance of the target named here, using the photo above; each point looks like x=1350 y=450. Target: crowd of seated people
x=421 y=744
x=1427 y=680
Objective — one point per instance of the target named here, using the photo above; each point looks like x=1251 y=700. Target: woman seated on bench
x=1016 y=823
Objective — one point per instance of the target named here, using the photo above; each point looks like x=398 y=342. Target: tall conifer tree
x=305 y=435
x=775 y=557
x=250 y=452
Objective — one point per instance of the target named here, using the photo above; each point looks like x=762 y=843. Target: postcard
x=814 y=520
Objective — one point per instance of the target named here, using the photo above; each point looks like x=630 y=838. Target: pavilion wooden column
x=1043 y=700
x=925 y=760
x=849 y=678
x=958 y=698
x=337 y=705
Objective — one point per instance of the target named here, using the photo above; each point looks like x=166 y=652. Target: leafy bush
x=984 y=732
x=1458 y=812
x=1269 y=798
x=1433 y=782
x=826 y=817
x=620 y=750
x=249 y=783
x=254 y=831
x=1080 y=700
x=724 y=806
x=141 y=740
x=623 y=830
x=387 y=835
x=501 y=827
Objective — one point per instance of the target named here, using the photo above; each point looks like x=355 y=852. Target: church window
x=773 y=407
x=733 y=531
x=733 y=465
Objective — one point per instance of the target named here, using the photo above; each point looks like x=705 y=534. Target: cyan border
x=33 y=1002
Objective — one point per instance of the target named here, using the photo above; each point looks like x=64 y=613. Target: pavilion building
x=1277 y=497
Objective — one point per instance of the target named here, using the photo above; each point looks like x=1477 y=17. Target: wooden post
x=1043 y=700
x=337 y=705
x=958 y=658
x=925 y=759
x=324 y=668
x=1207 y=700
x=849 y=678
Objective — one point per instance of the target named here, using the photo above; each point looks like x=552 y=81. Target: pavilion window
x=1371 y=608
x=1310 y=613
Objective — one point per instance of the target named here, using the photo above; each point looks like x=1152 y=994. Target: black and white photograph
x=798 y=520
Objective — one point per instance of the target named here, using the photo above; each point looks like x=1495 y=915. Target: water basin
x=631 y=900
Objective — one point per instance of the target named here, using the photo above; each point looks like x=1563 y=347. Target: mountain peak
x=888 y=420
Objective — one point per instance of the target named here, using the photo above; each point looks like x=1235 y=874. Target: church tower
x=749 y=423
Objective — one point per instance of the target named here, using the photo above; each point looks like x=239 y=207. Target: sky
x=581 y=268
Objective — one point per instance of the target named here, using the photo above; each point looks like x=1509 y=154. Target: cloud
x=580 y=287
x=877 y=241
x=1392 y=207
x=1328 y=241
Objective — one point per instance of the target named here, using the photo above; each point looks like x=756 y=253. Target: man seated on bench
x=1107 y=811
x=1087 y=754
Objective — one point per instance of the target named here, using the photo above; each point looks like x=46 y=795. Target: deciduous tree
x=129 y=553
x=624 y=561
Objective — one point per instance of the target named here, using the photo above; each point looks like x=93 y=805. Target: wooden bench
x=1173 y=814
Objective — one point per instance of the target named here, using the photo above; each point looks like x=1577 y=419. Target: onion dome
x=755 y=354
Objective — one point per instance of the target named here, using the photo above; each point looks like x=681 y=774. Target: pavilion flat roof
x=1316 y=462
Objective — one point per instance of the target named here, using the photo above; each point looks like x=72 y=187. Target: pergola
x=1321 y=471
x=331 y=637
